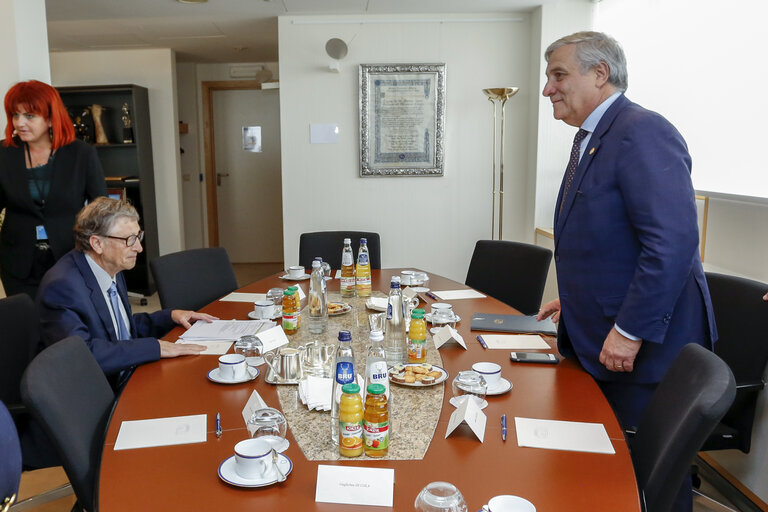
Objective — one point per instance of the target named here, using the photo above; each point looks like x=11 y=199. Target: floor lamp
x=501 y=95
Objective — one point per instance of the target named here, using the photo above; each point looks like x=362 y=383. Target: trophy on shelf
x=101 y=136
x=127 y=125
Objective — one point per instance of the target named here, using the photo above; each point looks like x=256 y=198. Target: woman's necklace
x=41 y=158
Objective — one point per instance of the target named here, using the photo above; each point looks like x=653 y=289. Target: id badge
x=41 y=234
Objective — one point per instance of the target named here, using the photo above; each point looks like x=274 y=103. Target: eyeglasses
x=129 y=240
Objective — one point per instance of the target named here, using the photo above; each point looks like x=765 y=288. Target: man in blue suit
x=632 y=290
x=85 y=293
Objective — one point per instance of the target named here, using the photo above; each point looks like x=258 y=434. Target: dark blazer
x=70 y=302
x=626 y=246
x=77 y=176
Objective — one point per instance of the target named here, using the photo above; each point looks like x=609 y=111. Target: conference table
x=184 y=477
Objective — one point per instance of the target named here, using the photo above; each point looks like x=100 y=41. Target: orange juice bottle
x=417 y=338
x=298 y=304
x=376 y=421
x=351 y=421
x=290 y=315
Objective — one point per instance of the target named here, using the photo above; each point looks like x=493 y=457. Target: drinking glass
x=440 y=497
x=276 y=296
x=443 y=316
x=469 y=383
x=376 y=321
x=270 y=425
x=250 y=346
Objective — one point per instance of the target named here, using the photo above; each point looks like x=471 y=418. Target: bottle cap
x=373 y=389
x=347 y=240
x=417 y=313
x=319 y=258
x=363 y=240
x=316 y=264
x=288 y=292
x=377 y=335
x=293 y=288
x=351 y=388
x=345 y=336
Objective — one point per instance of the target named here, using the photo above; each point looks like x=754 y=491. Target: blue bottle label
x=362 y=259
x=345 y=372
x=389 y=311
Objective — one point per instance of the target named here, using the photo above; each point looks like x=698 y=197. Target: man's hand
x=170 y=349
x=550 y=308
x=619 y=352
x=185 y=318
x=765 y=297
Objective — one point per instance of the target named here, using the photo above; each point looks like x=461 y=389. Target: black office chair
x=10 y=461
x=329 y=244
x=21 y=335
x=191 y=279
x=690 y=400
x=66 y=391
x=512 y=272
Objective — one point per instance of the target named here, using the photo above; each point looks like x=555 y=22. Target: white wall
x=155 y=70
x=431 y=223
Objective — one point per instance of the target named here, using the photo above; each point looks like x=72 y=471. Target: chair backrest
x=741 y=317
x=20 y=336
x=191 y=279
x=329 y=244
x=512 y=272
x=66 y=391
x=690 y=400
x=10 y=460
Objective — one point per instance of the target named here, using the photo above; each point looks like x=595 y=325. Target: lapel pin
x=592 y=151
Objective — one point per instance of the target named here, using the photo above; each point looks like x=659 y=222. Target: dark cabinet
x=127 y=166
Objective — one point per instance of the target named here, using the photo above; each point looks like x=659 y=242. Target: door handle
x=220 y=175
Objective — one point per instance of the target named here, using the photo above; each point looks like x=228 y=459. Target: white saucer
x=456 y=402
x=280 y=444
x=228 y=474
x=419 y=289
x=502 y=387
x=289 y=278
x=252 y=315
x=428 y=317
x=214 y=376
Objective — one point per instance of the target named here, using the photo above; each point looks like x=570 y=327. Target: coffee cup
x=232 y=367
x=509 y=503
x=264 y=309
x=285 y=363
x=406 y=278
x=296 y=271
x=491 y=372
x=253 y=459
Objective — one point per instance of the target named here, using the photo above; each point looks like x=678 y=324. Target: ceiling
x=221 y=30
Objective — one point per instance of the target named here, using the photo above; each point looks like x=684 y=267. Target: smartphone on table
x=533 y=357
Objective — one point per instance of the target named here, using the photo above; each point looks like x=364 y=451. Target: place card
x=355 y=485
x=447 y=334
x=468 y=412
x=459 y=294
x=563 y=435
x=161 y=432
x=243 y=297
x=254 y=403
x=272 y=338
x=409 y=294
x=301 y=293
x=515 y=341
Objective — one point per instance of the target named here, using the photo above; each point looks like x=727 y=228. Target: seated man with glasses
x=85 y=294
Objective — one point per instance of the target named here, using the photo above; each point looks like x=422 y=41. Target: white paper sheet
x=214 y=347
x=515 y=341
x=222 y=330
x=355 y=485
x=563 y=435
x=161 y=432
x=459 y=294
x=243 y=297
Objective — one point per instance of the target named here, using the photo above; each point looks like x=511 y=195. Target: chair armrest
x=750 y=386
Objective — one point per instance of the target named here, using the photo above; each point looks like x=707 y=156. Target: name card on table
x=468 y=412
x=355 y=485
x=447 y=334
x=409 y=293
x=254 y=403
x=272 y=338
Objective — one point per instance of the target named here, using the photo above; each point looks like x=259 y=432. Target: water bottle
x=347 y=270
x=376 y=369
x=394 y=337
x=344 y=373
x=318 y=307
x=363 y=270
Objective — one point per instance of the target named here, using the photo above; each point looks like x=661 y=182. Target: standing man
x=632 y=290
x=85 y=293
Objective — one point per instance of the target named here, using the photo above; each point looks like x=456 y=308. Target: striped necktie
x=573 y=163
x=122 y=332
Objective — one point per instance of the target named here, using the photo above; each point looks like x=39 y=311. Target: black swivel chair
x=191 y=279
x=21 y=335
x=742 y=324
x=10 y=460
x=690 y=400
x=329 y=244
x=66 y=391
x=512 y=272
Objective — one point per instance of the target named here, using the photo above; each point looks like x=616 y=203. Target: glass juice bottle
x=347 y=270
x=417 y=338
x=363 y=270
x=351 y=421
x=290 y=315
x=297 y=299
x=376 y=422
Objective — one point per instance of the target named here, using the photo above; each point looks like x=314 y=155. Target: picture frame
x=402 y=119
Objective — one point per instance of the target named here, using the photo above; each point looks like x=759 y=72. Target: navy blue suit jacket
x=626 y=246
x=70 y=302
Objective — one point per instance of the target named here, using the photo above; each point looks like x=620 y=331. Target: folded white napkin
x=316 y=392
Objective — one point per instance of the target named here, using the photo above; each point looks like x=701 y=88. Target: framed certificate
x=402 y=119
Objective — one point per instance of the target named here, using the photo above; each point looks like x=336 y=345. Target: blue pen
x=218 y=424
x=482 y=341
x=503 y=427
x=432 y=296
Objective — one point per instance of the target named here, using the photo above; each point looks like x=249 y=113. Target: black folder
x=516 y=324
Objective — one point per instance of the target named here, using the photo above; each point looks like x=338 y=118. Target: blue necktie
x=122 y=332
x=573 y=163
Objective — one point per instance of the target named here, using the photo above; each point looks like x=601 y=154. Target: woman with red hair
x=46 y=175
